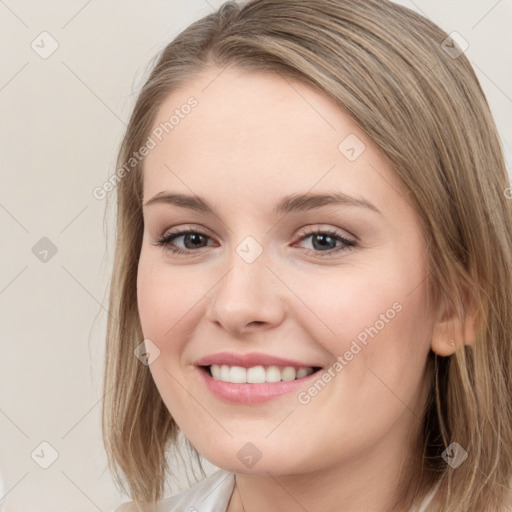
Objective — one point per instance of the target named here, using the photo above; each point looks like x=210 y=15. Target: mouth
x=258 y=374
x=250 y=378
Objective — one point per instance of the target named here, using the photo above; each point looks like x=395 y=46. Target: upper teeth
x=257 y=374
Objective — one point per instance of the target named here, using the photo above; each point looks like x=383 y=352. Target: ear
x=453 y=330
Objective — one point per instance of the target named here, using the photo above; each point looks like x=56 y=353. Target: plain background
x=62 y=119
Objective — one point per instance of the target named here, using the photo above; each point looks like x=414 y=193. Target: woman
x=312 y=279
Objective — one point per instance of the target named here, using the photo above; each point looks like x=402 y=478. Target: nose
x=249 y=298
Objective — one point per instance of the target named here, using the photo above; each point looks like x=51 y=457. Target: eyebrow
x=288 y=204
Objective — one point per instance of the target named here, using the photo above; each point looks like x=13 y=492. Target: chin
x=254 y=458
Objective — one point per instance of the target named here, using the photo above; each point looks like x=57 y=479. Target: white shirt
x=213 y=494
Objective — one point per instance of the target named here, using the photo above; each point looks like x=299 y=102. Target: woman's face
x=304 y=254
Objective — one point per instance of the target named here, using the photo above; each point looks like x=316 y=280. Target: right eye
x=192 y=238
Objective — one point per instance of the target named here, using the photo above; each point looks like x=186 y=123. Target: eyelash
x=165 y=241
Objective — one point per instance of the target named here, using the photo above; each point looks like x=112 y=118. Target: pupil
x=195 y=239
x=324 y=241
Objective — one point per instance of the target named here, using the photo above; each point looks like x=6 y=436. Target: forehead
x=262 y=135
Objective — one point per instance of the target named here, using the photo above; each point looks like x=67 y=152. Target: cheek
x=379 y=348
x=374 y=317
x=346 y=303
x=166 y=297
x=168 y=307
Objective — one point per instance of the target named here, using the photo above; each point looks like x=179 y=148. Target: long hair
x=414 y=93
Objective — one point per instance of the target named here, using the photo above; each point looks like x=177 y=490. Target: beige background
x=62 y=120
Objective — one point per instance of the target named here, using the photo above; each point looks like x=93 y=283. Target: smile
x=255 y=392
x=252 y=378
x=258 y=374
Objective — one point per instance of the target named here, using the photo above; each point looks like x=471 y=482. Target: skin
x=252 y=139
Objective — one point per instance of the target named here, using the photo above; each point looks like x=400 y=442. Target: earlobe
x=452 y=332
x=443 y=343
x=445 y=347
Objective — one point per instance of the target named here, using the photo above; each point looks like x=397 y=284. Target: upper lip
x=249 y=360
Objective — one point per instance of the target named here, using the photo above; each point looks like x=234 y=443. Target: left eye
x=326 y=241
x=322 y=241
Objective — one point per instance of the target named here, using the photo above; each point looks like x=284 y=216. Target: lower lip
x=251 y=393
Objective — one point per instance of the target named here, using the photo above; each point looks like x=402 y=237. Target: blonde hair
x=388 y=68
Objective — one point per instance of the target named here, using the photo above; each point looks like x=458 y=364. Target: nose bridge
x=248 y=293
